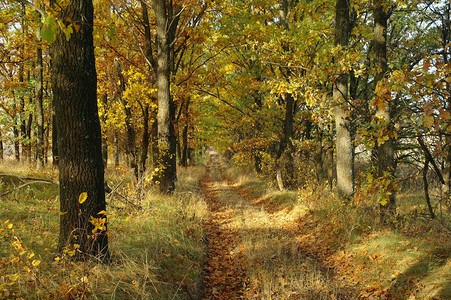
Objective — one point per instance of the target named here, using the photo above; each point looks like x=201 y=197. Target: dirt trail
x=225 y=265
x=255 y=254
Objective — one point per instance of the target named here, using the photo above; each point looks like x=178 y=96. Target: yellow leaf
x=35 y=262
x=62 y=213
x=30 y=255
x=14 y=277
x=10 y=225
x=82 y=198
x=102 y=212
x=15 y=259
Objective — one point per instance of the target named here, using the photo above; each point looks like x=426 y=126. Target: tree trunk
x=74 y=82
x=330 y=157
x=286 y=148
x=1 y=147
x=446 y=39
x=104 y=135
x=154 y=142
x=344 y=145
x=184 y=158
x=16 y=143
x=385 y=152
x=145 y=141
x=55 y=155
x=166 y=136
x=426 y=188
x=117 y=150
x=319 y=154
x=39 y=107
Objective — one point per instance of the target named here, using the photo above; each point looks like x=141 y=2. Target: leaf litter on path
x=253 y=251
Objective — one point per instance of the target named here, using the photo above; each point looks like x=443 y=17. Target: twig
x=30 y=178
x=22 y=186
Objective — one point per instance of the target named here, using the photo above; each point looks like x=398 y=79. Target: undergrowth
x=408 y=261
x=156 y=245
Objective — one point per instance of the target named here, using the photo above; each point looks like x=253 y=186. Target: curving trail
x=225 y=265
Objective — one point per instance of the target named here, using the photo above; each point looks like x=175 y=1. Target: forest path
x=225 y=264
x=254 y=253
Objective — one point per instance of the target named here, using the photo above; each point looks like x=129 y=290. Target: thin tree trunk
x=426 y=188
x=39 y=107
x=104 y=136
x=184 y=158
x=117 y=151
x=385 y=152
x=446 y=39
x=344 y=145
x=1 y=146
x=55 y=154
x=145 y=141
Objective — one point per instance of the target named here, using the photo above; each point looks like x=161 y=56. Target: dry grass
x=409 y=262
x=157 y=252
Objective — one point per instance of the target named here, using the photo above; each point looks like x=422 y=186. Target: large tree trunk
x=344 y=145
x=74 y=82
x=166 y=136
x=385 y=152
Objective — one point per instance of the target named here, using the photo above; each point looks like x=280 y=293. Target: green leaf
x=49 y=29
x=68 y=32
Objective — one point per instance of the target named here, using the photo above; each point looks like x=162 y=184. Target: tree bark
x=385 y=152
x=55 y=155
x=74 y=82
x=446 y=39
x=344 y=145
x=104 y=136
x=39 y=106
x=1 y=147
x=145 y=141
x=166 y=114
